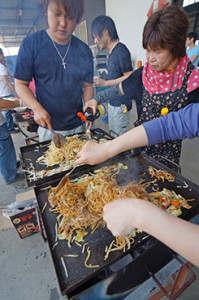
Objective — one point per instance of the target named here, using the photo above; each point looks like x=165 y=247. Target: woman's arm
x=93 y=153
x=180 y=124
x=124 y=215
x=41 y=116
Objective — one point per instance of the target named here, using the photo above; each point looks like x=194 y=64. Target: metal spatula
x=58 y=139
x=63 y=180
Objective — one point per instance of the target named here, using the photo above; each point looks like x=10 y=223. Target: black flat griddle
x=78 y=273
x=30 y=154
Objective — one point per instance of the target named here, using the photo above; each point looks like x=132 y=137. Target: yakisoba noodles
x=80 y=204
x=62 y=158
x=161 y=174
x=66 y=153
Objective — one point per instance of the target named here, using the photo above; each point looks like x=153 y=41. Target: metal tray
x=78 y=273
x=30 y=154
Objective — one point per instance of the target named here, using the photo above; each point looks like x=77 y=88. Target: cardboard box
x=25 y=214
x=26 y=222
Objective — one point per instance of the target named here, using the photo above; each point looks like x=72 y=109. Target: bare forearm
x=41 y=116
x=8 y=104
x=177 y=234
x=193 y=58
x=134 y=138
x=88 y=92
x=116 y=81
x=26 y=95
x=93 y=153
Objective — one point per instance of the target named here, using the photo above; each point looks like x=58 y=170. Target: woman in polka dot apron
x=169 y=80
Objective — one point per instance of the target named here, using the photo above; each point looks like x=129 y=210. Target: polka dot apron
x=152 y=105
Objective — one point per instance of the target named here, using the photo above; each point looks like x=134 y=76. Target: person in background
x=119 y=67
x=8 y=162
x=123 y=215
x=167 y=82
x=7 y=90
x=62 y=68
x=193 y=49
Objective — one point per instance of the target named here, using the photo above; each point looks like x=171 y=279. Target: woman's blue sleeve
x=176 y=125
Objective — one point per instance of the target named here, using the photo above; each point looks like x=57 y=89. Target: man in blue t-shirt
x=62 y=67
x=119 y=68
x=193 y=50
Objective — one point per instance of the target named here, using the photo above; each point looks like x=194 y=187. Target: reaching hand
x=120 y=216
x=92 y=153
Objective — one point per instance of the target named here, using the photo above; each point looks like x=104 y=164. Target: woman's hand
x=92 y=153
x=119 y=216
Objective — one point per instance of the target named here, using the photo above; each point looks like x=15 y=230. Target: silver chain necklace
x=62 y=58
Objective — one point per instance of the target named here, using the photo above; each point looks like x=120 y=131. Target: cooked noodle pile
x=65 y=154
x=80 y=204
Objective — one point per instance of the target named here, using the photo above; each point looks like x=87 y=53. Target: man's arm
x=99 y=82
x=41 y=116
x=6 y=104
x=88 y=92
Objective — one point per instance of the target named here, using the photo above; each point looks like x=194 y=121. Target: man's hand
x=42 y=117
x=99 y=82
x=91 y=103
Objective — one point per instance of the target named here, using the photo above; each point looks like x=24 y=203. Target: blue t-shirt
x=192 y=52
x=119 y=62
x=58 y=90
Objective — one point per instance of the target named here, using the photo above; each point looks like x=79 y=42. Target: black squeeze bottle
x=99 y=112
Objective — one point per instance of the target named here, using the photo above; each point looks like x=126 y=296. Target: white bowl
x=20 y=108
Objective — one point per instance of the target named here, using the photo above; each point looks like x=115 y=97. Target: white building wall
x=130 y=17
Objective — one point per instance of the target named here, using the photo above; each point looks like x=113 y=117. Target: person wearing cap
x=168 y=80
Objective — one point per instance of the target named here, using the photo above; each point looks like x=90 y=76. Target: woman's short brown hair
x=167 y=29
x=74 y=8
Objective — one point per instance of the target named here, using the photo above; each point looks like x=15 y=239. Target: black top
x=119 y=62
